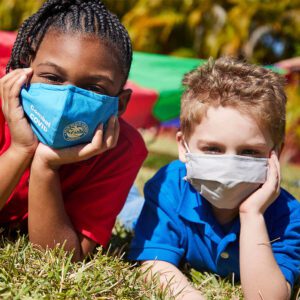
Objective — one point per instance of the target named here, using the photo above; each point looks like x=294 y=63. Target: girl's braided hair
x=84 y=16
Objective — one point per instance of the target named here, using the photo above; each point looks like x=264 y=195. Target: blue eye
x=250 y=152
x=212 y=150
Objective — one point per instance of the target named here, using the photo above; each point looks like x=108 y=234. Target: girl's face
x=82 y=60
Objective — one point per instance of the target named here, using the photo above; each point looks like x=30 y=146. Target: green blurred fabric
x=164 y=73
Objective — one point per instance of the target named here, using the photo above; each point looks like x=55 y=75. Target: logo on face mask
x=75 y=131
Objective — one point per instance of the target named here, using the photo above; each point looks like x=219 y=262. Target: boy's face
x=80 y=60
x=224 y=130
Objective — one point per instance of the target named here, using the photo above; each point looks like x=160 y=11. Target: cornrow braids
x=84 y=16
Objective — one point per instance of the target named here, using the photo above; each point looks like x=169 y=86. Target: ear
x=181 y=148
x=124 y=98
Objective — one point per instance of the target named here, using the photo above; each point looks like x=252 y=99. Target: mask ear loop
x=186 y=146
x=188 y=151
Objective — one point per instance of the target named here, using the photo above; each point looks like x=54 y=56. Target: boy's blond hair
x=251 y=89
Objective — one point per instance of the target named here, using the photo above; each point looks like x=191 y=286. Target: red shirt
x=94 y=191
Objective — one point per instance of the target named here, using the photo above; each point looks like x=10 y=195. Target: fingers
x=272 y=183
x=10 y=86
x=263 y=197
x=98 y=137
x=101 y=141
x=112 y=133
x=277 y=164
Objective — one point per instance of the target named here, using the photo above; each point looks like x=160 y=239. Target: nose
x=231 y=152
x=69 y=82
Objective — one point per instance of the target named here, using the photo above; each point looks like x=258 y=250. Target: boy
x=220 y=208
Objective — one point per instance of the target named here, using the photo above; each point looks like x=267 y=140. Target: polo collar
x=196 y=209
x=193 y=207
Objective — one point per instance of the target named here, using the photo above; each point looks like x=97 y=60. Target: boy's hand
x=196 y=295
x=262 y=198
x=54 y=158
x=22 y=136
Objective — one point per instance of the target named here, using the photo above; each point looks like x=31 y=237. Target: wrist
x=46 y=158
x=40 y=163
x=16 y=155
x=250 y=210
x=28 y=150
x=251 y=216
x=20 y=152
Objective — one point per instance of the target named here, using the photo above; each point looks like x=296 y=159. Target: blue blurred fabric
x=132 y=209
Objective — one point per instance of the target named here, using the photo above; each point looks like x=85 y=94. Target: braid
x=84 y=16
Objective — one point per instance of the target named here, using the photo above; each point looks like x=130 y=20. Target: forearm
x=13 y=163
x=171 y=279
x=48 y=223
x=261 y=276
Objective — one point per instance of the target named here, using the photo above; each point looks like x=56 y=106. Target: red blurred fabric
x=7 y=39
x=139 y=110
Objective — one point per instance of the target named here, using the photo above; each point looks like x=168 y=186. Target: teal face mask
x=65 y=115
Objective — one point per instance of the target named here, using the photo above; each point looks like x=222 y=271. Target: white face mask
x=225 y=180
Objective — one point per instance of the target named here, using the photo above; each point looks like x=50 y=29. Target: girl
x=74 y=194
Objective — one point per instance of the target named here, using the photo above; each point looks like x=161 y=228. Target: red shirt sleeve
x=95 y=190
x=2 y=122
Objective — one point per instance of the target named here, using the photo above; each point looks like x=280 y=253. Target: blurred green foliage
x=292 y=141
x=261 y=31
x=14 y=12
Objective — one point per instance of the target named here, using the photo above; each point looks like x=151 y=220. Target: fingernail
x=22 y=77
x=115 y=120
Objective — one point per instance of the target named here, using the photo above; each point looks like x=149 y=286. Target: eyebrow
x=217 y=143
x=50 y=64
x=62 y=71
x=209 y=142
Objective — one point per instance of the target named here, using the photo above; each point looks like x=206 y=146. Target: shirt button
x=225 y=255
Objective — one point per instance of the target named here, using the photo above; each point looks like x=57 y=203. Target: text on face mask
x=39 y=119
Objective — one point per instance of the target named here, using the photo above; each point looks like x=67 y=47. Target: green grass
x=30 y=273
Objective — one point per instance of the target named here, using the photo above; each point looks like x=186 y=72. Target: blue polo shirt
x=177 y=225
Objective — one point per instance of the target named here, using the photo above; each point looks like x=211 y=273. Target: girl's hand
x=262 y=198
x=54 y=158
x=22 y=136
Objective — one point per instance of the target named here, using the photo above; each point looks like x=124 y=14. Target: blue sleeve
x=159 y=231
x=287 y=251
x=286 y=236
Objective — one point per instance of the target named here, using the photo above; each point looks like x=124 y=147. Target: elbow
x=75 y=251
x=77 y=256
x=282 y=292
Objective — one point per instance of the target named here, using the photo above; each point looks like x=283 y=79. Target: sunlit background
x=260 y=31
x=263 y=32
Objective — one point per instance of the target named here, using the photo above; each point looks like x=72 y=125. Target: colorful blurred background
x=170 y=37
